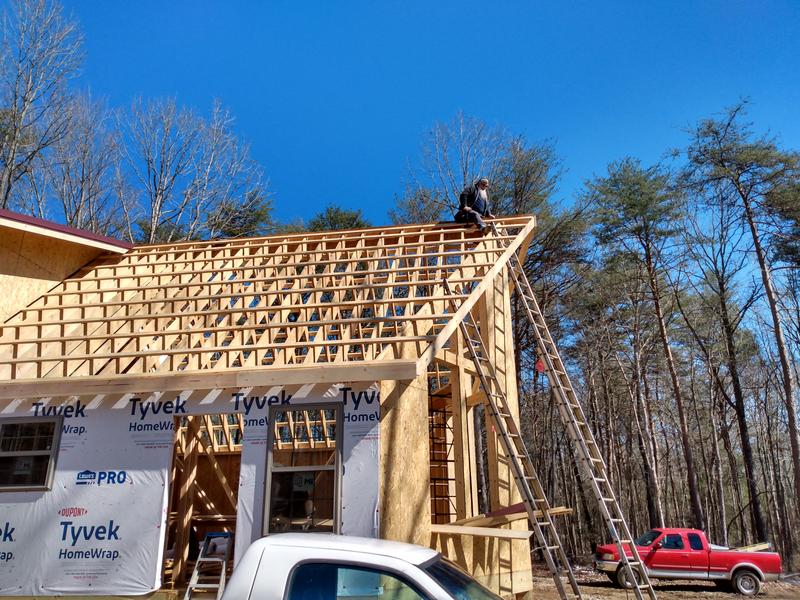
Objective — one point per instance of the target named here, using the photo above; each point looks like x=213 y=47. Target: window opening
x=28 y=452
x=303 y=484
x=442 y=462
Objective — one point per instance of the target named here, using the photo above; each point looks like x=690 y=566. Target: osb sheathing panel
x=405 y=499
x=482 y=556
x=32 y=264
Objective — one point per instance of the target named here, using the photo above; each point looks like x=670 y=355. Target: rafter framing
x=248 y=311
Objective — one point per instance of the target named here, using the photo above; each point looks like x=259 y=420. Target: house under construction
x=151 y=395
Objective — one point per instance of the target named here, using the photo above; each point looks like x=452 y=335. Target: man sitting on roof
x=474 y=204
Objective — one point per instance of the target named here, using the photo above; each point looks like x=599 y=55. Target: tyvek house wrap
x=100 y=529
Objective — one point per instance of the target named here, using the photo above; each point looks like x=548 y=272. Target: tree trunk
x=780 y=342
x=691 y=477
x=741 y=418
x=723 y=518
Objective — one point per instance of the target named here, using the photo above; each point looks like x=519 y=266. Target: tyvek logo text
x=7 y=537
x=88 y=533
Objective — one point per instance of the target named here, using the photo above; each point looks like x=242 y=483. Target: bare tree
x=77 y=176
x=161 y=143
x=40 y=50
x=197 y=178
x=227 y=184
x=452 y=156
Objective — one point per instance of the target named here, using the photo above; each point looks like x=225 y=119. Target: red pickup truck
x=670 y=553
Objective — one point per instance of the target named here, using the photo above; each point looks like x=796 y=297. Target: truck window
x=672 y=541
x=648 y=538
x=695 y=543
x=338 y=582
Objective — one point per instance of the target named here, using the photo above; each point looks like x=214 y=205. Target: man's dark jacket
x=468 y=198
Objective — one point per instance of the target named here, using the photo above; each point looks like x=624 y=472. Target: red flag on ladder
x=540 y=366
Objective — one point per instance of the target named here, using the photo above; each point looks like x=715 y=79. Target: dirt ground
x=595 y=586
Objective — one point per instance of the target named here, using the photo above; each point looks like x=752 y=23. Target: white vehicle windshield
x=458 y=583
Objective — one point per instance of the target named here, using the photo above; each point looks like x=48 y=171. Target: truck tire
x=622 y=578
x=746 y=582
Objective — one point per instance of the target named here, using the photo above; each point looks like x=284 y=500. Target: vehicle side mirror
x=657 y=546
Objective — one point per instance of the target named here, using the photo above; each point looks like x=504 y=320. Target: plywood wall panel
x=405 y=501
x=32 y=264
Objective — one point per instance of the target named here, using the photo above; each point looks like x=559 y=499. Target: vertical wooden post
x=464 y=461
x=186 y=502
x=173 y=477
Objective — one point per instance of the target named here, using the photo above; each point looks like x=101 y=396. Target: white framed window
x=28 y=453
x=304 y=469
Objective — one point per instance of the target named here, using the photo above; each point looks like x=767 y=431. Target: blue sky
x=334 y=97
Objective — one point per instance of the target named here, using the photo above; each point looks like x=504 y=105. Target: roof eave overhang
x=62 y=232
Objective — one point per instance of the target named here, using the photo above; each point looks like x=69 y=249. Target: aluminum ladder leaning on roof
x=575 y=422
x=530 y=488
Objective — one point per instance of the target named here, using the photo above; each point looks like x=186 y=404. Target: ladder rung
x=210 y=560
x=205 y=586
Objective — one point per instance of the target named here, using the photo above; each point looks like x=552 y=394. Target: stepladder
x=574 y=419
x=211 y=569
x=522 y=470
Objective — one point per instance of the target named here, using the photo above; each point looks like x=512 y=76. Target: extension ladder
x=210 y=581
x=573 y=417
x=530 y=488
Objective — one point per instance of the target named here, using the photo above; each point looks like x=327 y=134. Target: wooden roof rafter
x=240 y=312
